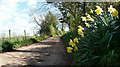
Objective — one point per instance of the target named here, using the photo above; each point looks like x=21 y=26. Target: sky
x=14 y=16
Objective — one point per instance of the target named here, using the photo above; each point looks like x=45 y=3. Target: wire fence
x=16 y=38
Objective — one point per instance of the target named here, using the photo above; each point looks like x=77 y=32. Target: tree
x=72 y=12
x=48 y=24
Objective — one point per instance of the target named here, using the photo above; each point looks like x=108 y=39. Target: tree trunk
x=69 y=27
x=62 y=27
x=84 y=4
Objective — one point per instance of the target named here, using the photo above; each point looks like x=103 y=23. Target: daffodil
x=88 y=17
x=86 y=14
x=98 y=10
x=76 y=40
x=91 y=11
x=71 y=42
x=82 y=35
x=115 y=12
x=73 y=45
x=83 y=18
x=76 y=48
x=69 y=49
x=87 y=25
x=97 y=7
x=80 y=31
x=91 y=19
x=110 y=9
x=80 y=27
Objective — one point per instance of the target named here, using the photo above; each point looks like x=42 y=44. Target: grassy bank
x=10 y=45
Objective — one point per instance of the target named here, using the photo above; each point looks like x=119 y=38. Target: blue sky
x=14 y=16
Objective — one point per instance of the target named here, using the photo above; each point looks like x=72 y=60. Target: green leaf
x=112 y=52
x=110 y=38
x=84 y=60
x=95 y=57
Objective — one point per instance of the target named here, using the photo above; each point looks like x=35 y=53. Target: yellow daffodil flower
x=110 y=9
x=97 y=7
x=76 y=48
x=71 y=42
x=80 y=27
x=83 y=18
x=87 y=25
x=73 y=45
x=91 y=19
x=98 y=10
x=115 y=12
x=76 y=40
x=80 y=31
x=91 y=11
x=69 y=49
x=82 y=35
x=86 y=14
x=88 y=19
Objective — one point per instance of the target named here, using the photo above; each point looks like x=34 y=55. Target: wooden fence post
x=33 y=33
x=10 y=34
x=25 y=34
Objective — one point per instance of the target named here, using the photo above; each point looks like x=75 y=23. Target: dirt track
x=50 y=51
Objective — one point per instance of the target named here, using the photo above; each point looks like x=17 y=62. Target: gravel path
x=50 y=51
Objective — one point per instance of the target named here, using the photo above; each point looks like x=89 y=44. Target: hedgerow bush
x=98 y=42
x=7 y=46
x=0 y=47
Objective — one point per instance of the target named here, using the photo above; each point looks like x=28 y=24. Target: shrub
x=0 y=47
x=7 y=46
x=52 y=30
x=16 y=44
x=33 y=40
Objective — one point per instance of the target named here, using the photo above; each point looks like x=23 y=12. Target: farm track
x=50 y=51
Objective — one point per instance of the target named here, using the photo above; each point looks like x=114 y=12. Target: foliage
x=7 y=46
x=100 y=43
x=72 y=11
x=52 y=30
x=34 y=40
x=16 y=38
x=49 y=24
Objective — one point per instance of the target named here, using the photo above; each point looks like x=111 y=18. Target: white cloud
x=19 y=26
x=24 y=10
x=32 y=3
x=25 y=15
x=21 y=23
x=18 y=21
x=1 y=27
